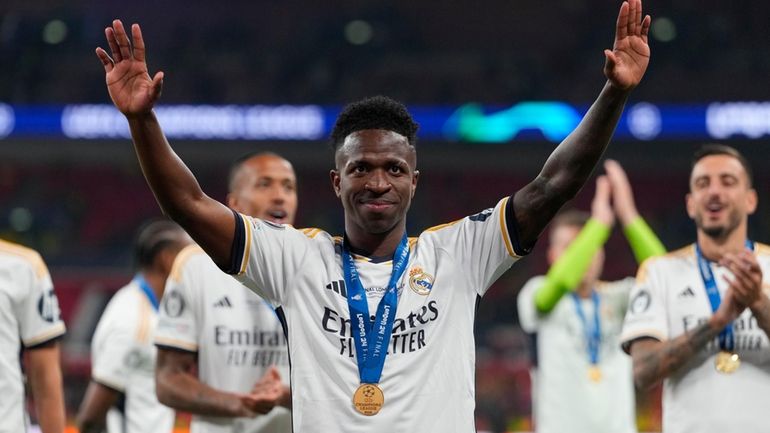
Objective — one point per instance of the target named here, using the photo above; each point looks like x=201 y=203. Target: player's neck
x=156 y=281
x=585 y=289
x=713 y=248
x=375 y=244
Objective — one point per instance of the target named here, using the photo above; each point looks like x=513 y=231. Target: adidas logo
x=687 y=293
x=224 y=302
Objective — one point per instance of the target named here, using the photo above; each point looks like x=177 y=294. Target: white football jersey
x=670 y=299
x=428 y=376
x=29 y=315
x=235 y=333
x=123 y=358
x=567 y=400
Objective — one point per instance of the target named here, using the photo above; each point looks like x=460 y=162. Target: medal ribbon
x=726 y=337
x=147 y=290
x=593 y=333
x=372 y=338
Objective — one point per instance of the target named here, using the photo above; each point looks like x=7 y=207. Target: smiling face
x=265 y=187
x=375 y=179
x=721 y=197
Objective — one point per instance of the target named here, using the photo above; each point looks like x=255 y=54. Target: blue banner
x=548 y=121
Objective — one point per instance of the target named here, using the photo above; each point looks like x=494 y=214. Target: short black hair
x=236 y=165
x=376 y=112
x=721 y=149
x=154 y=237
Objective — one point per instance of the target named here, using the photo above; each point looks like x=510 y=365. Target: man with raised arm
x=699 y=317
x=380 y=326
x=583 y=380
x=222 y=352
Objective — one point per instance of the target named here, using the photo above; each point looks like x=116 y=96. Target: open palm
x=131 y=88
x=630 y=55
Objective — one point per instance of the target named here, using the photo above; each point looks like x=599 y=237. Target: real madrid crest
x=420 y=281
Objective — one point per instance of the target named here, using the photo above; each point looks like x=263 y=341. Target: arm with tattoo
x=655 y=360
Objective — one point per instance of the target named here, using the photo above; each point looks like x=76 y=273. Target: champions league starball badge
x=368 y=399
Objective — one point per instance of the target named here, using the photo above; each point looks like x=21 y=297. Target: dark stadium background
x=79 y=201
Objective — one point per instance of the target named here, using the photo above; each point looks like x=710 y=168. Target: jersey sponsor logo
x=687 y=293
x=641 y=302
x=253 y=347
x=408 y=332
x=174 y=304
x=748 y=335
x=420 y=281
x=224 y=302
x=48 y=306
x=482 y=216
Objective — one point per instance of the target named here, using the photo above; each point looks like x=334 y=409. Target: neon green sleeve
x=565 y=274
x=643 y=240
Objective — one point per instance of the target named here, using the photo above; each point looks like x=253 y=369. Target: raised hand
x=601 y=209
x=622 y=195
x=131 y=88
x=627 y=61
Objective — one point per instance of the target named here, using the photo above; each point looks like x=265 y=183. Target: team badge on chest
x=420 y=281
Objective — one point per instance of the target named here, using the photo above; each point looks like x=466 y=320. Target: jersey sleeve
x=38 y=308
x=267 y=256
x=646 y=313
x=179 y=318
x=112 y=348
x=529 y=319
x=485 y=244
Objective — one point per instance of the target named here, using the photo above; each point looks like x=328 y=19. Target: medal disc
x=368 y=399
x=727 y=362
x=595 y=373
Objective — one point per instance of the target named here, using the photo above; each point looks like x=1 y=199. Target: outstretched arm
x=643 y=241
x=567 y=271
x=134 y=93
x=570 y=165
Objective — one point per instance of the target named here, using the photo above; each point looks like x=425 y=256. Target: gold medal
x=727 y=362
x=368 y=399
x=594 y=373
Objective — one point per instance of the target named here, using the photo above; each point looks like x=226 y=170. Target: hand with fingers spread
x=746 y=282
x=627 y=61
x=131 y=88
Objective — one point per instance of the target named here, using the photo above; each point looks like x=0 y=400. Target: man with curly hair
x=380 y=326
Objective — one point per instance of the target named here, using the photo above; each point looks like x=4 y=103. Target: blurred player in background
x=29 y=320
x=424 y=316
x=583 y=382
x=121 y=395
x=699 y=317
x=221 y=348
